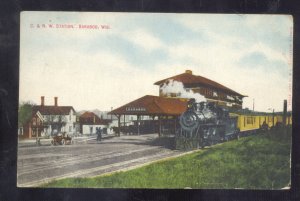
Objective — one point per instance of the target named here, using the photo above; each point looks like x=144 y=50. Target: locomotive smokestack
x=55 y=101
x=42 y=100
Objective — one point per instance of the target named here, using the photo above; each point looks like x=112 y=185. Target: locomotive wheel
x=237 y=134
x=188 y=120
x=209 y=142
x=201 y=144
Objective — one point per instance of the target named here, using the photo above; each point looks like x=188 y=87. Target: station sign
x=135 y=109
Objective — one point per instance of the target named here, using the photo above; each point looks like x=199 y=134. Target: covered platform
x=161 y=112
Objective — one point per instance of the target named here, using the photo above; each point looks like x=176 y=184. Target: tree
x=25 y=112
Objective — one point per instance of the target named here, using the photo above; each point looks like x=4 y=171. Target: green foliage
x=25 y=112
x=255 y=162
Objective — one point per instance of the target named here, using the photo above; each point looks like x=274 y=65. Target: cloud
x=144 y=39
x=256 y=60
x=101 y=69
x=99 y=81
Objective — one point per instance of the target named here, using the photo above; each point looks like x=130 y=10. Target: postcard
x=155 y=100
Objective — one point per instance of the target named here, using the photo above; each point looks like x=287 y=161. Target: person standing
x=99 y=134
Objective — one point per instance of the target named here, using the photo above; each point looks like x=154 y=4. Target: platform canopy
x=152 y=106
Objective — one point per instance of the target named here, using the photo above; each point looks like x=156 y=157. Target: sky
x=108 y=67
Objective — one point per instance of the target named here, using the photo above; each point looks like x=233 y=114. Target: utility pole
x=284 y=112
x=273 y=117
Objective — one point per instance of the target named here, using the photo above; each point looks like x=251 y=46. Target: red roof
x=88 y=115
x=52 y=110
x=153 y=105
x=188 y=78
x=92 y=118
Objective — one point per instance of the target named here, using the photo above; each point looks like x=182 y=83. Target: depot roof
x=153 y=105
x=188 y=78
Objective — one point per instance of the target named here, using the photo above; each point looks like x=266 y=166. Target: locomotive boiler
x=204 y=124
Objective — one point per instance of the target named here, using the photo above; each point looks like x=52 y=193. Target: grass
x=255 y=162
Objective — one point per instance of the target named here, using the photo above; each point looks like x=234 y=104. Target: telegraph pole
x=273 y=117
x=284 y=112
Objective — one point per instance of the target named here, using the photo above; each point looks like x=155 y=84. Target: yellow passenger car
x=249 y=122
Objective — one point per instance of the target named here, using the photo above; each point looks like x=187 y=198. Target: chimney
x=189 y=72
x=55 y=101
x=42 y=100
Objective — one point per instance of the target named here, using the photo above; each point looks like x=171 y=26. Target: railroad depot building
x=211 y=90
x=159 y=114
x=49 y=120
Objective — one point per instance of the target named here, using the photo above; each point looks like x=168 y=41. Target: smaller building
x=35 y=127
x=90 y=122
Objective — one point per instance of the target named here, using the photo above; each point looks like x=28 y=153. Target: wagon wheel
x=63 y=142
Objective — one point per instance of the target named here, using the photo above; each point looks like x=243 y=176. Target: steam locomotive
x=206 y=123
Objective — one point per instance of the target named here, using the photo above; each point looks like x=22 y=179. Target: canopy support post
x=119 y=125
x=124 y=126
x=138 y=124
x=159 y=129
x=175 y=124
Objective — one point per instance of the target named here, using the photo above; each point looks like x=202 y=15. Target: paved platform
x=40 y=164
x=47 y=141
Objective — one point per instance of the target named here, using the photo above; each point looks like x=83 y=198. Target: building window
x=173 y=94
x=196 y=90
x=270 y=119
x=250 y=120
x=34 y=121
